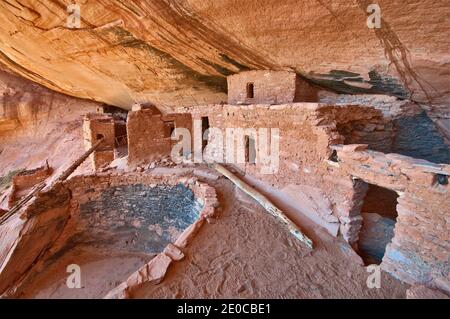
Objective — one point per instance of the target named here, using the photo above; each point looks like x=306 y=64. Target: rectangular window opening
x=250 y=150
x=250 y=90
x=205 y=127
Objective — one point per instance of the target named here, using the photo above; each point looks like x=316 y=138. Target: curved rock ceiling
x=179 y=52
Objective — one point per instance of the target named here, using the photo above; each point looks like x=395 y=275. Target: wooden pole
x=78 y=162
x=266 y=203
x=22 y=202
x=41 y=186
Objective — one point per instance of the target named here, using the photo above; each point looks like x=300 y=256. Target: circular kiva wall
x=136 y=212
x=126 y=214
x=138 y=217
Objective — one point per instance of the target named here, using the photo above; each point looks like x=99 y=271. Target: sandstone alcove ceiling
x=177 y=51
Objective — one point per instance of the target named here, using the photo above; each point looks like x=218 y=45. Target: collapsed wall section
x=22 y=183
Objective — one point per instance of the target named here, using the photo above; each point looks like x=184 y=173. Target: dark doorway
x=250 y=90
x=379 y=213
x=250 y=150
x=169 y=127
x=205 y=127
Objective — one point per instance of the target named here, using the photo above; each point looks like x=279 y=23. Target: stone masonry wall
x=273 y=87
x=23 y=181
x=420 y=249
x=95 y=127
x=149 y=134
x=307 y=130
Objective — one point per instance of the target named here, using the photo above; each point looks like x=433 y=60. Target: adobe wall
x=420 y=249
x=95 y=127
x=22 y=182
x=271 y=87
x=149 y=134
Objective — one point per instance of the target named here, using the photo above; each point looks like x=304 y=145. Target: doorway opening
x=250 y=150
x=169 y=127
x=379 y=213
x=205 y=127
x=250 y=90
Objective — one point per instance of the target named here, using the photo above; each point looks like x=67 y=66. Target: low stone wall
x=25 y=180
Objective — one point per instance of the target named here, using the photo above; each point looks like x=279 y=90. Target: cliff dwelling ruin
x=260 y=181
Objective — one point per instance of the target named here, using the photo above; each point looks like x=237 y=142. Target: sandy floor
x=101 y=271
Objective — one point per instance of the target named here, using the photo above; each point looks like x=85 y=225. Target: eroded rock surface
x=179 y=51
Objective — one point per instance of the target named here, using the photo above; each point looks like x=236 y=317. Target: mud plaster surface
x=101 y=271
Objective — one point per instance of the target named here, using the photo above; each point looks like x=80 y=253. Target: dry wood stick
x=22 y=202
x=266 y=203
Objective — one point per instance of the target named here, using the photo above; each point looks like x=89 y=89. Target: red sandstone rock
x=189 y=233
x=173 y=252
x=243 y=36
x=153 y=272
